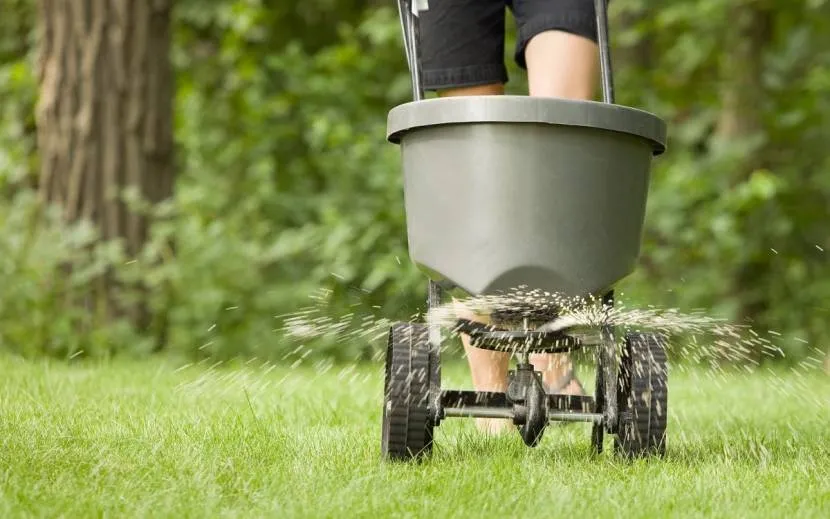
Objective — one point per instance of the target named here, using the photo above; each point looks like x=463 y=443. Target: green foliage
x=738 y=224
x=288 y=177
x=287 y=186
x=37 y=249
x=17 y=89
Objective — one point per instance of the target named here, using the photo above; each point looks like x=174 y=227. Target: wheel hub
x=530 y=404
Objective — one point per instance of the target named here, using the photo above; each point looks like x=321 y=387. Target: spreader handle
x=601 y=9
x=409 y=27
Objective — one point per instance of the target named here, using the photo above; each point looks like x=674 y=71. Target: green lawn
x=146 y=439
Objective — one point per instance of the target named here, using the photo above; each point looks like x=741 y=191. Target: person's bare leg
x=555 y=367
x=488 y=369
x=560 y=64
x=478 y=90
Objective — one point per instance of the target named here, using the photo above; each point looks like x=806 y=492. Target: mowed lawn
x=150 y=439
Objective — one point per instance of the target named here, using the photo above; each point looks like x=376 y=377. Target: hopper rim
x=526 y=109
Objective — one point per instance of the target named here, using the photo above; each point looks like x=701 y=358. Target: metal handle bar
x=409 y=28
x=409 y=25
x=601 y=9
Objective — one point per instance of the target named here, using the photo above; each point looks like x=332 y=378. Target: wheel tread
x=407 y=428
x=644 y=392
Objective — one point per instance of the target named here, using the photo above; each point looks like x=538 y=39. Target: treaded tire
x=643 y=397
x=598 y=429
x=407 y=424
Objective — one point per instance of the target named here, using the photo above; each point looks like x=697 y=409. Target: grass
x=145 y=439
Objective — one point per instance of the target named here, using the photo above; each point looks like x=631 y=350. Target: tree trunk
x=741 y=69
x=104 y=120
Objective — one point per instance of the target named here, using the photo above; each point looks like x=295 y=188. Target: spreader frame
x=630 y=384
x=415 y=403
x=600 y=409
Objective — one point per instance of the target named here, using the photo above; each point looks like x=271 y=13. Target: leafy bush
x=286 y=185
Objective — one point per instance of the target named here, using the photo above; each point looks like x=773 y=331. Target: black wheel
x=643 y=397
x=598 y=429
x=536 y=420
x=407 y=421
x=434 y=387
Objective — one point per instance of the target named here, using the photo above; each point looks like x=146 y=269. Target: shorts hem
x=577 y=22
x=459 y=77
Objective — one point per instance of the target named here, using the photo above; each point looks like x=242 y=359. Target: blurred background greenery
x=285 y=184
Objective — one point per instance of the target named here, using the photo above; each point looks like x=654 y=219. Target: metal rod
x=575 y=417
x=433 y=294
x=435 y=339
x=478 y=412
x=496 y=412
x=434 y=301
x=557 y=403
x=608 y=300
x=601 y=8
x=609 y=367
x=608 y=364
x=410 y=30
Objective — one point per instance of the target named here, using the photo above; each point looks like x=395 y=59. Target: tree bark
x=104 y=119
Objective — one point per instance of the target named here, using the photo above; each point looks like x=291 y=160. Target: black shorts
x=462 y=41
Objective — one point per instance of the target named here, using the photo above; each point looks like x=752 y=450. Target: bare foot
x=493 y=426
x=487 y=368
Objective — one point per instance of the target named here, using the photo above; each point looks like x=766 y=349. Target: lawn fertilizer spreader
x=502 y=192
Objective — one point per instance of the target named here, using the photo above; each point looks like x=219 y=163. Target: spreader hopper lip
x=526 y=109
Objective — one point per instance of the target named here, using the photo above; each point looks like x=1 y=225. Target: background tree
x=285 y=185
x=105 y=118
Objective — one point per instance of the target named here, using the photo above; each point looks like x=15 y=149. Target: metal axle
x=493 y=412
